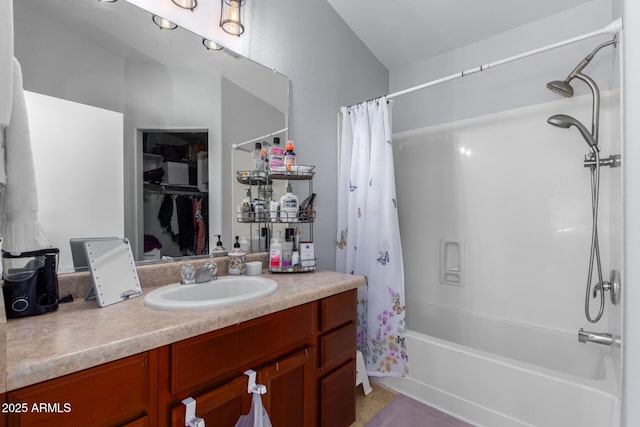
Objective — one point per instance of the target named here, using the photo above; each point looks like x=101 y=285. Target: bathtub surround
x=488 y=389
x=368 y=239
x=526 y=227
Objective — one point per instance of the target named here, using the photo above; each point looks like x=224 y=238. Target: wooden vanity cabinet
x=307 y=364
x=305 y=356
x=210 y=368
x=122 y=393
x=3 y=414
x=336 y=371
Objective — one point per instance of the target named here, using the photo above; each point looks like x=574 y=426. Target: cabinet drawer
x=221 y=407
x=110 y=394
x=338 y=397
x=338 y=346
x=337 y=310
x=227 y=352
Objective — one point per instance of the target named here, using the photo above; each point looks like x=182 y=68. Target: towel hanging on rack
x=21 y=230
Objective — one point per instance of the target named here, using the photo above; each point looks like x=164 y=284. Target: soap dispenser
x=237 y=265
x=219 y=250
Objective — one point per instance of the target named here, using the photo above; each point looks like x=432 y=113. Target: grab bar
x=598 y=338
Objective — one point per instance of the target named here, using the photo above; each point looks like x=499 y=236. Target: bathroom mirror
x=110 y=62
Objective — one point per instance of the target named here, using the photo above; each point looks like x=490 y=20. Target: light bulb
x=231 y=24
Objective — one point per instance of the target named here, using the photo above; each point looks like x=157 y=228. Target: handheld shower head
x=564 y=121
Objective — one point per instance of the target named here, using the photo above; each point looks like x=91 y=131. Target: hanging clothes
x=166 y=212
x=368 y=238
x=200 y=223
x=184 y=211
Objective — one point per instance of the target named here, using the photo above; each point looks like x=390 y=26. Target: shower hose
x=594 y=256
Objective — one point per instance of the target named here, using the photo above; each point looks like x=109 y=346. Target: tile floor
x=368 y=406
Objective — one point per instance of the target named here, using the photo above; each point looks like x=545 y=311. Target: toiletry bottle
x=246 y=206
x=289 y=206
x=219 y=250
x=275 y=251
x=276 y=154
x=289 y=156
x=264 y=159
x=236 y=245
x=245 y=245
x=255 y=157
x=273 y=210
x=295 y=251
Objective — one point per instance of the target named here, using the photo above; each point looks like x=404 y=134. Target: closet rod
x=614 y=28
x=269 y=135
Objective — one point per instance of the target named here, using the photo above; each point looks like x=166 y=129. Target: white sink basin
x=224 y=292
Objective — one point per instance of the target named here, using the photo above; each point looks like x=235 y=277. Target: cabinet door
x=290 y=390
x=3 y=415
x=338 y=397
x=220 y=407
x=107 y=395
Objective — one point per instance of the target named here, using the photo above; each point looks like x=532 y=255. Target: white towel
x=21 y=231
x=6 y=60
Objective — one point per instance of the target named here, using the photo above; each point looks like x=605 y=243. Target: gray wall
x=78 y=70
x=244 y=117
x=328 y=67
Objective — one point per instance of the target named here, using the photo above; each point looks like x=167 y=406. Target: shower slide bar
x=613 y=161
x=614 y=28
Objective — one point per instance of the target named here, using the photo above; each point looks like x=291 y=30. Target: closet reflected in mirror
x=176 y=188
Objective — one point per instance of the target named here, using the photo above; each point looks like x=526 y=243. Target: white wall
x=511 y=86
x=631 y=277
x=85 y=186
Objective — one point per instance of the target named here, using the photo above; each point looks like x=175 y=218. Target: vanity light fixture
x=186 y=4
x=211 y=45
x=164 y=23
x=231 y=16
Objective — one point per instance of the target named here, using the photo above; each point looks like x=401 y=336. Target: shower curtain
x=368 y=240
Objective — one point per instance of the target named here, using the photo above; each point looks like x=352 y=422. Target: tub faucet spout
x=598 y=338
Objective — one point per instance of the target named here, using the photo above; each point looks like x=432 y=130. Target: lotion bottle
x=289 y=206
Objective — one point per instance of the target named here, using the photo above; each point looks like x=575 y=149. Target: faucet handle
x=187 y=274
x=207 y=272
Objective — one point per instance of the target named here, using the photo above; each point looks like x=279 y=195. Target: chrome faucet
x=598 y=338
x=207 y=272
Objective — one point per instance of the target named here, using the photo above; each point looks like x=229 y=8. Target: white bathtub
x=496 y=373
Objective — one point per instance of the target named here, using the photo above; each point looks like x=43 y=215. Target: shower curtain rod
x=269 y=135
x=614 y=28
